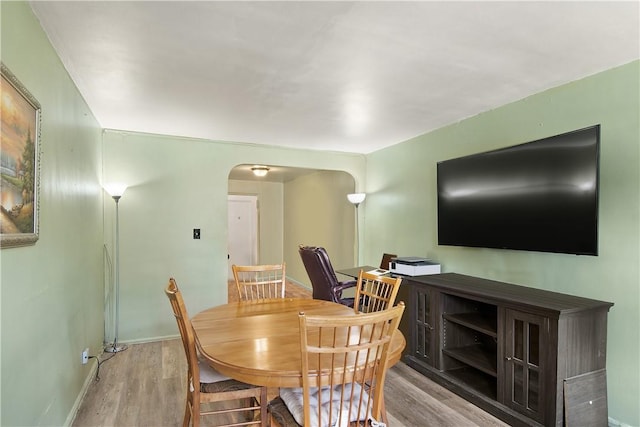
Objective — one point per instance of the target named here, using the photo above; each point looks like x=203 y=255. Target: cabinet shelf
x=460 y=324
x=482 y=383
x=477 y=356
x=476 y=321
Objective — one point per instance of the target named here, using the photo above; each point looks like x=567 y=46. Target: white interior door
x=243 y=231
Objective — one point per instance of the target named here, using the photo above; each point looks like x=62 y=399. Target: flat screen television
x=538 y=196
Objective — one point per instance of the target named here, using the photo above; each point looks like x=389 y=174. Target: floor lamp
x=116 y=190
x=356 y=199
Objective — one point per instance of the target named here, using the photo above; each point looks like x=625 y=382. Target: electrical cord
x=100 y=362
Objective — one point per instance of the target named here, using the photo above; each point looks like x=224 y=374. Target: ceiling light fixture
x=260 y=170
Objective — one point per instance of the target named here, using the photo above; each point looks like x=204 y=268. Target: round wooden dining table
x=258 y=342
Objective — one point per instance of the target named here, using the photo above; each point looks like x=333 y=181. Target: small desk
x=354 y=271
x=258 y=342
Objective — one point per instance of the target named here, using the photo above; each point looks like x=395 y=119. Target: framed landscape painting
x=19 y=163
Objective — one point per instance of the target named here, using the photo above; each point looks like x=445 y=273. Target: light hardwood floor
x=145 y=386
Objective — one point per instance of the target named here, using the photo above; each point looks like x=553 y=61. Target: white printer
x=413 y=266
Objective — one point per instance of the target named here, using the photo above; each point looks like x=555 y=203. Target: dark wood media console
x=525 y=355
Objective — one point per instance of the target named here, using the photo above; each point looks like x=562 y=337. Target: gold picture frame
x=19 y=163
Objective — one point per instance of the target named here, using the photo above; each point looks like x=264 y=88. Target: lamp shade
x=115 y=189
x=356 y=198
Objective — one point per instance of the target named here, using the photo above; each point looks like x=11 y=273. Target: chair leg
x=383 y=409
x=264 y=418
x=187 y=414
x=383 y=412
x=195 y=416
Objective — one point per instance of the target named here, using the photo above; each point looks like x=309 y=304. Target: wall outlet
x=85 y=356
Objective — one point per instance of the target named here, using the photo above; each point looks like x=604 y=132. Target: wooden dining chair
x=375 y=293
x=259 y=281
x=205 y=385
x=341 y=356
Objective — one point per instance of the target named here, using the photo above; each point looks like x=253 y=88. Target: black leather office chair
x=323 y=278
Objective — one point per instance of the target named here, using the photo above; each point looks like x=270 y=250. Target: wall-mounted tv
x=538 y=196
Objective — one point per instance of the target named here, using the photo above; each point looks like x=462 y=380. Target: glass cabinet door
x=524 y=344
x=423 y=330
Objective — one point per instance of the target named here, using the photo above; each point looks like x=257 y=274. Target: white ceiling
x=344 y=76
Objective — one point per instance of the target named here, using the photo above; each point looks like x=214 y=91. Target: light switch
x=196 y=233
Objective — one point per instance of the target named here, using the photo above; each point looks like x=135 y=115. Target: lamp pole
x=356 y=199
x=357 y=245
x=116 y=193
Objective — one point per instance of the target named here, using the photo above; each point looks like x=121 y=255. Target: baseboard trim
x=149 y=339
x=85 y=387
x=615 y=423
x=94 y=369
x=302 y=285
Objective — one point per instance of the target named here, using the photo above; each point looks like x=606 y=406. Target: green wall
x=52 y=292
x=177 y=184
x=400 y=209
x=55 y=290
